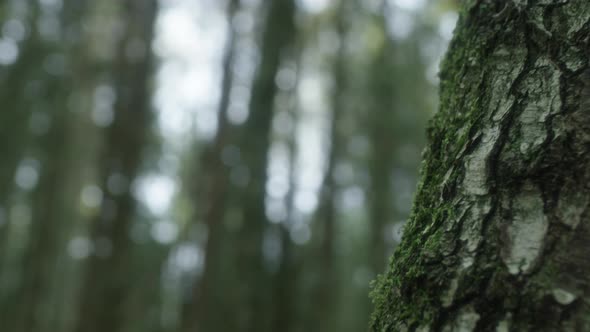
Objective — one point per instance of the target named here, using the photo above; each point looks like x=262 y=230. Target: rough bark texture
x=498 y=238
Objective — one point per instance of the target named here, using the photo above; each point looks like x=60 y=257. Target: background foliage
x=208 y=165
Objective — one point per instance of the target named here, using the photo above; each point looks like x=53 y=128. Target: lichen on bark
x=495 y=239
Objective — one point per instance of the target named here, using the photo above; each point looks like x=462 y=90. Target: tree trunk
x=381 y=121
x=13 y=121
x=29 y=306
x=325 y=292
x=14 y=133
x=108 y=280
x=277 y=38
x=287 y=286
x=498 y=238
x=201 y=312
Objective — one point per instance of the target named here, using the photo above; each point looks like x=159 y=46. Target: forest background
x=184 y=165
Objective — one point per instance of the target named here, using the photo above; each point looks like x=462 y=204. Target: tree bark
x=498 y=236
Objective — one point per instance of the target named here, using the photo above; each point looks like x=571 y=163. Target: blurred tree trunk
x=14 y=130
x=108 y=280
x=327 y=287
x=381 y=121
x=287 y=287
x=48 y=209
x=277 y=38
x=498 y=238
x=32 y=306
x=202 y=312
x=285 y=299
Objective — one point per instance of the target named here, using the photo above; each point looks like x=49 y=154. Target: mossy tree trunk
x=498 y=238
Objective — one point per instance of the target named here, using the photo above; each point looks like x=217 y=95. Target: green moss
x=409 y=293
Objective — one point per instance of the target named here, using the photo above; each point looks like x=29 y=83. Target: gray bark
x=498 y=238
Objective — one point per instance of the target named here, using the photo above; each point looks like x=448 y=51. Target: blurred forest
x=206 y=165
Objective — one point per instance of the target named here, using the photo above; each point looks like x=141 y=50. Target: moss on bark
x=485 y=247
